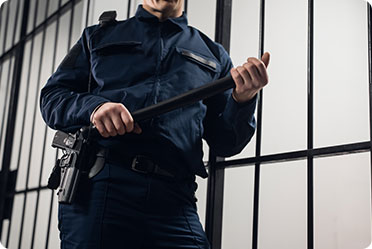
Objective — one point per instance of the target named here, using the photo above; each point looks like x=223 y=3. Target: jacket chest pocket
x=118 y=48
x=120 y=62
x=193 y=68
x=198 y=66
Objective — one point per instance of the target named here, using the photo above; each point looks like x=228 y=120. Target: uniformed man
x=144 y=195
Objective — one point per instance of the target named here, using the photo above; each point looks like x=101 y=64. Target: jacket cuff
x=239 y=111
x=92 y=105
x=95 y=109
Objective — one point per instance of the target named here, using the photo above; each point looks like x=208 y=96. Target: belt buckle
x=135 y=162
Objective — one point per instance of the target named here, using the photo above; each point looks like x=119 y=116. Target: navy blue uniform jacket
x=140 y=62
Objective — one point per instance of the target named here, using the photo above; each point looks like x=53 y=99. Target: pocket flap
x=116 y=47
x=200 y=59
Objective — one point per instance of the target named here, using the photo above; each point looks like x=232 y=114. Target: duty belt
x=139 y=163
x=145 y=165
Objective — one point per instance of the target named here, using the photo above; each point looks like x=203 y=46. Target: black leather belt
x=145 y=165
x=140 y=163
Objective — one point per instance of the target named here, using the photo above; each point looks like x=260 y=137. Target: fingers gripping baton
x=79 y=150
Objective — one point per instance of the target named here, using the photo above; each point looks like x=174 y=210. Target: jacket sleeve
x=65 y=103
x=229 y=125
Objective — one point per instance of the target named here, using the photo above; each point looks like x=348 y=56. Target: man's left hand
x=250 y=78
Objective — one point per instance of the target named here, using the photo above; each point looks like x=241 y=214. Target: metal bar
x=129 y=6
x=45 y=129
x=298 y=155
x=39 y=28
x=257 y=168
x=216 y=179
x=6 y=24
x=87 y=14
x=49 y=219
x=53 y=66
x=369 y=23
x=2 y=9
x=71 y=26
x=256 y=207
x=223 y=23
x=1 y=14
x=8 y=200
x=15 y=22
x=4 y=106
x=9 y=135
x=214 y=209
x=310 y=127
x=31 y=139
x=7 y=4
x=2 y=129
x=28 y=190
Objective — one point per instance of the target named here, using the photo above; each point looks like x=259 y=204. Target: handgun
x=77 y=151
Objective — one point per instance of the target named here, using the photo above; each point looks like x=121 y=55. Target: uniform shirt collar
x=143 y=15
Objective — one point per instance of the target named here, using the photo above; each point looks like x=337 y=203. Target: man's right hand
x=113 y=119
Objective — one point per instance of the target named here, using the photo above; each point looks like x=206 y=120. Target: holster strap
x=99 y=163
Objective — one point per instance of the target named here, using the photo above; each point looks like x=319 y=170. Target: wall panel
x=340 y=73
x=202 y=15
x=28 y=221
x=238 y=208
x=15 y=222
x=53 y=240
x=41 y=228
x=284 y=118
x=283 y=205
x=342 y=202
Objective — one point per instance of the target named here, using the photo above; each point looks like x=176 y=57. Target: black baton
x=187 y=98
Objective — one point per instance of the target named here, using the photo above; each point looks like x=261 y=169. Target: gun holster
x=80 y=158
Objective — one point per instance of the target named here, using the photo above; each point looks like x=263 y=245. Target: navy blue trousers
x=120 y=208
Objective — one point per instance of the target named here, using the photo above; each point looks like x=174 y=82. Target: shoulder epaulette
x=107 y=18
